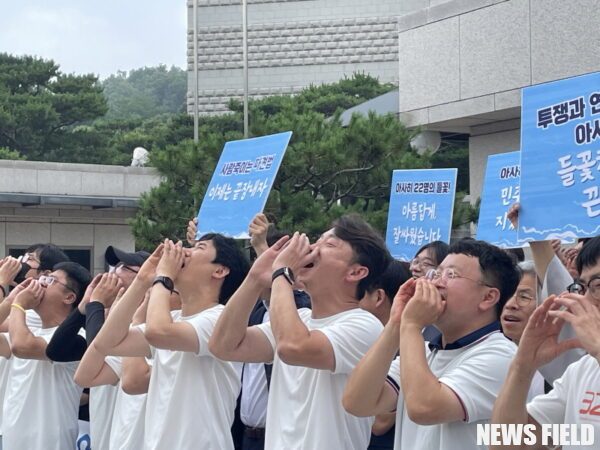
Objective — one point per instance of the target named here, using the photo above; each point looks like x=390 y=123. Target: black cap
x=114 y=256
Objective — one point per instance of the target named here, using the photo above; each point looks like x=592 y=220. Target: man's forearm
x=283 y=314
x=23 y=343
x=420 y=386
x=116 y=326
x=368 y=378
x=158 y=316
x=230 y=329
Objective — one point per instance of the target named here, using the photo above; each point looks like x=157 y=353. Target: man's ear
x=490 y=299
x=70 y=298
x=357 y=272
x=220 y=272
x=381 y=297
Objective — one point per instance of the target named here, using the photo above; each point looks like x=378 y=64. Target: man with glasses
x=67 y=345
x=42 y=400
x=440 y=391
x=574 y=399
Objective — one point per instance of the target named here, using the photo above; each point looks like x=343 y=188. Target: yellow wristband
x=14 y=305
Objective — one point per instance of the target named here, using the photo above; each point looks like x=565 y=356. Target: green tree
x=40 y=106
x=146 y=92
x=328 y=169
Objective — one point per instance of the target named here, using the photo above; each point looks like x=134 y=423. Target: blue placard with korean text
x=500 y=190
x=560 y=160
x=421 y=207
x=241 y=184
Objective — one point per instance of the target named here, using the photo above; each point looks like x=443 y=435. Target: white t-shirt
x=556 y=281
x=255 y=393
x=33 y=321
x=127 y=430
x=41 y=403
x=305 y=405
x=475 y=373
x=192 y=397
x=102 y=405
x=575 y=399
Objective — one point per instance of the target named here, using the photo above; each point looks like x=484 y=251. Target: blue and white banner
x=560 y=160
x=500 y=190
x=421 y=207
x=241 y=184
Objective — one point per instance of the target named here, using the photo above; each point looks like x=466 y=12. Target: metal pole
x=245 y=58
x=195 y=9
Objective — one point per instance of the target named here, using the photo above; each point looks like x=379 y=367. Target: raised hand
x=190 y=234
x=107 y=289
x=539 y=343
x=31 y=296
x=425 y=306
x=258 y=229
x=171 y=261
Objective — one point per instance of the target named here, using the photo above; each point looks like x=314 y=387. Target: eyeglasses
x=523 y=298
x=125 y=267
x=27 y=257
x=578 y=287
x=449 y=274
x=49 y=280
x=421 y=263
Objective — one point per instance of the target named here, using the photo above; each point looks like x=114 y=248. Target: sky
x=96 y=36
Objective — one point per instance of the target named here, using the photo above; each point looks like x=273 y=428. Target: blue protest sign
x=240 y=184
x=421 y=207
x=560 y=160
x=500 y=190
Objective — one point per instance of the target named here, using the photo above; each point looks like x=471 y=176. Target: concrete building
x=291 y=44
x=463 y=64
x=82 y=208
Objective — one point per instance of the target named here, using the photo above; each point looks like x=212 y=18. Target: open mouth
x=511 y=319
x=308 y=266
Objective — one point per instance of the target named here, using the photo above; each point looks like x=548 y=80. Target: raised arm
x=93 y=370
x=22 y=341
x=232 y=339
x=9 y=268
x=161 y=331
x=427 y=400
x=116 y=337
x=541 y=251
x=538 y=346
x=367 y=393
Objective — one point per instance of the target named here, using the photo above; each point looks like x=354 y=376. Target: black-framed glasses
x=449 y=274
x=578 y=287
x=126 y=267
x=49 y=280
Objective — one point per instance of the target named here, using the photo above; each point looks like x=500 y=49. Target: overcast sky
x=97 y=36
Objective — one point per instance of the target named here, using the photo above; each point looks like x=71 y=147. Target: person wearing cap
x=126 y=265
x=67 y=345
x=41 y=399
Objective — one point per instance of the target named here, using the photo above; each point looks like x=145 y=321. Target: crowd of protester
x=329 y=344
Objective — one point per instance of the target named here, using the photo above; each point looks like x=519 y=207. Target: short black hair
x=517 y=254
x=368 y=247
x=439 y=250
x=497 y=267
x=78 y=278
x=396 y=274
x=48 y=254
x=589 y=255
x=229 y=255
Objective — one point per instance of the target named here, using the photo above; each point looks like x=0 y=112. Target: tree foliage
x=328 y=169
x=40 y=106
x=146 y=92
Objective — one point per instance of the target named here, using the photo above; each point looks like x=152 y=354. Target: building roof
x=384 y=104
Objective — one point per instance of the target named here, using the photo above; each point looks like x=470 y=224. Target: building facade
x=82 y=208
x=291 y=44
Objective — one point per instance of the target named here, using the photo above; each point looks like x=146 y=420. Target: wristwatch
x=166 y=282
x=286 y=272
